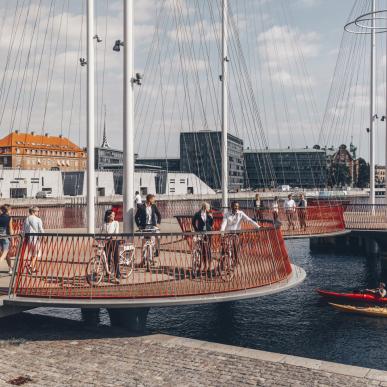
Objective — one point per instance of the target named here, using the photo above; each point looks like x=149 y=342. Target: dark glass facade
x=200 y=153
x=269 y=168
x=171 y=165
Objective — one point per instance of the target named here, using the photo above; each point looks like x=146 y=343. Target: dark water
x=297 y=322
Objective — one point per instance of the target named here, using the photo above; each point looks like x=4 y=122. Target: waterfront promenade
x=160 y=360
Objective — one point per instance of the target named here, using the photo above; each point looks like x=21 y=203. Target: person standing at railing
x=6 y=230
x=290 y=210
x=302 y=211
x=258 y=207
x=275 y=209
x=111 y=226
x=33 y=225
x=203 y=221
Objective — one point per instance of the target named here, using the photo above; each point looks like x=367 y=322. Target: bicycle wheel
x=126 y=263
x=95 y=271
x=227 y=267
x=196 y=263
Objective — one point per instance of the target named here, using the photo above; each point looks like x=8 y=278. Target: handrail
x=186 y=265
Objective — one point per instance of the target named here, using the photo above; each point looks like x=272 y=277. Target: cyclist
x=232 y=221
x=203 y=221
x=111 y=226
x=148 y=217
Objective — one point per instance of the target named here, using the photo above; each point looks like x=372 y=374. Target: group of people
x=32 y=225
x=291 y=210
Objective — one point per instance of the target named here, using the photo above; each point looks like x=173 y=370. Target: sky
x=282 y=62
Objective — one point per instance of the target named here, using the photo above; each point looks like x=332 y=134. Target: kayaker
x=379 y=291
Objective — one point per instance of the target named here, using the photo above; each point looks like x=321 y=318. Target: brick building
x=41 y=152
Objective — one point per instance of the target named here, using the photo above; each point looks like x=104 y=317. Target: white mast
x=128 y=170
x=372 y=108
x=385 y=118
x=224 y=105
x=90 y=119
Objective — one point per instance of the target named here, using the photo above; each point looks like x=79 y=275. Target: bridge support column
x=90 y=316
x=132 y=318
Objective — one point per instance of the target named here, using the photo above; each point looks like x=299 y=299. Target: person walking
x=33 y=225
x=110 y=227
x=137 y=199
x=6 y=230
x=258 y=207
x=302 y=211
x=290 y=210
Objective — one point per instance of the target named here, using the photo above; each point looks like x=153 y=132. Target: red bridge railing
x=187 y=264
x=318 y=220
x=366 y=217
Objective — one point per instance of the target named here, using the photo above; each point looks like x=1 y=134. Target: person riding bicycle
x=148 y=217
x=203 y=221
x=232 y=221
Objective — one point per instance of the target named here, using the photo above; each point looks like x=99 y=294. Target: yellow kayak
x=369 y=311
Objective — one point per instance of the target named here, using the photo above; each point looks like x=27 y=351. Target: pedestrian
x=6 y=230
x=290 y=209
x=275 y=209
x=138 y=199
x=33 y=225
x=111 y=226
x=258 y=207
x=302 y=211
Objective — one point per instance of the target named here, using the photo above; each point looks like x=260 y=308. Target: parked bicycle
x=98 y=266
x=149 y=247
x=200 y=246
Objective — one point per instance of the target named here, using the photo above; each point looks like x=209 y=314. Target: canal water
x=297 y=322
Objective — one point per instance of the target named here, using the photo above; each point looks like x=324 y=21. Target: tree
x=339 y=175
x=363 y=176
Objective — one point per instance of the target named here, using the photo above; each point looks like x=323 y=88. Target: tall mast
x=372 y=107
x=385 y=118
x=90 y=119
x=128 y=170
x=224 y=104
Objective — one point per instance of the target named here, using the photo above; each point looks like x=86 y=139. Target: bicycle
x=148 y=248
x=98 y=266
x=228 y=259
x=200 y=242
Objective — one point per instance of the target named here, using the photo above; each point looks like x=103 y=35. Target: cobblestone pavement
x=159 y=360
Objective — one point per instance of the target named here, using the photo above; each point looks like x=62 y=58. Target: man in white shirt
x=290 y=210
x=232 y=221
x=137 y=199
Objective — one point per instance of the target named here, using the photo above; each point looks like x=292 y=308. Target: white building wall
x=186 y=183
x=31 y=182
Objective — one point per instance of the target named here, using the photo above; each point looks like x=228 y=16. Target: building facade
x=380 y=175
x=200 y=154
x=41 y=152
x=166 y=164
x=269 y=168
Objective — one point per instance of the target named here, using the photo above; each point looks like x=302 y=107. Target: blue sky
x=290 y=48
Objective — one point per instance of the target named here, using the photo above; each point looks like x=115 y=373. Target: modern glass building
x=200 y=153
x=269 y=168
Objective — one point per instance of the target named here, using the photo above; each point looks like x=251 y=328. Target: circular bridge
x=190 y=268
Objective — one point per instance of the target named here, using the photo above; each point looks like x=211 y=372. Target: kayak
x=359 y=297
x=369 y=311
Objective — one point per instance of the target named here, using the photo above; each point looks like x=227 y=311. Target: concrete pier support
x=90 y=315
x=133 y=319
